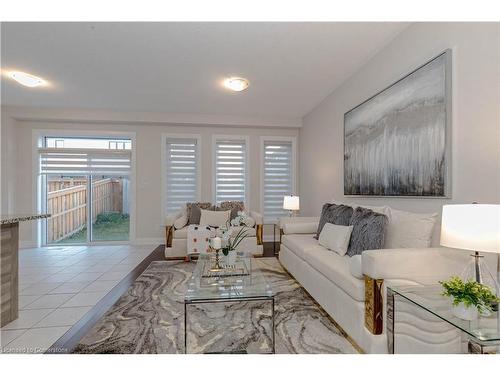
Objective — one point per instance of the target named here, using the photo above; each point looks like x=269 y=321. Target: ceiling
x=178 y=67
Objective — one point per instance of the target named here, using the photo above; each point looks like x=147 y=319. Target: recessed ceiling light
x=26 y=79
x=236 y=83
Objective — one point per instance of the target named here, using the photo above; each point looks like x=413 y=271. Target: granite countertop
x=16 y=218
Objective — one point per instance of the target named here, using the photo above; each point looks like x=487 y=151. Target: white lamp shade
x=291 y=202
x=472 y=227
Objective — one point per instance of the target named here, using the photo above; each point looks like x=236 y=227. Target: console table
x=9 y=253
x=481 y=335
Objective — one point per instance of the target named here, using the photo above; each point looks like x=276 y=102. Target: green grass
x=107 y=227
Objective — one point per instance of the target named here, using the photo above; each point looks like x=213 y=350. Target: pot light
x=26 y=79
x=236 y=83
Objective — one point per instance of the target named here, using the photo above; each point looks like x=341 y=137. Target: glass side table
x=483 y=334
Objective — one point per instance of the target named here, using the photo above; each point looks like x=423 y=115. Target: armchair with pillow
x=385 y=246
x=206 y=214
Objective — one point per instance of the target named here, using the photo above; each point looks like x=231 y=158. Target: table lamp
x=473 y=227
x=291 y=203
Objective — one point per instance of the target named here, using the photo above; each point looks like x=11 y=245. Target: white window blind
x=230 y=170
x=278 y=177
x=182 y=173
x=74 y=161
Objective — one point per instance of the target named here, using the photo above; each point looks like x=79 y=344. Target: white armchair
x=176 y=236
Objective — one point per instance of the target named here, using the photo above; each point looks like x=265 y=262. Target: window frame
x=237 y=138
x=263 y=140
x=38 y=189
x=164 y=182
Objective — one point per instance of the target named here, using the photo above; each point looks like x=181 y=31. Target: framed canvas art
x=397 y=143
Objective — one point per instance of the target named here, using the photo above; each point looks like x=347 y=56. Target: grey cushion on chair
x=368 y=232
x=194 y=211
x=338 y=214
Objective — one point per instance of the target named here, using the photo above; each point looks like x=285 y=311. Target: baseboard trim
x=27 y=244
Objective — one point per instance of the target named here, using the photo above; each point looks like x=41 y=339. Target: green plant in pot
x=470 y=298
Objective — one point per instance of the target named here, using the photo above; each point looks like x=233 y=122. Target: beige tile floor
x=58 y=286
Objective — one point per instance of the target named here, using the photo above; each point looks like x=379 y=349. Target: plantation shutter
x=230 y=171
x=182 y=173
x=278 y=177
x=71 y=162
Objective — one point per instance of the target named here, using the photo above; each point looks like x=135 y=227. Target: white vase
x=465 y=312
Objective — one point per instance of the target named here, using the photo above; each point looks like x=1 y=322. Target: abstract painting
x=396 y=142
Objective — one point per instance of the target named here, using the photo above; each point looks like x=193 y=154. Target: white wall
x=476 y=116
x=149 y=220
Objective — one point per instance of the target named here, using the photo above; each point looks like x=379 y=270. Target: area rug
x=149 y=318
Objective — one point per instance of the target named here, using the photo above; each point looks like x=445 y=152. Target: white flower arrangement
x=229 y=243
x=242 y=219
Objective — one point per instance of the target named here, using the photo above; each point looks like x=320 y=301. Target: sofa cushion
x=356 y=267
x=300 y=228
x=335 y=238
x=181 y=222
x=300 y=244
x=214 y=218
x=368 y=232
x=336 y=269
x=194 y=211
x=234 y=206
x=334 y=214
x=408 y=229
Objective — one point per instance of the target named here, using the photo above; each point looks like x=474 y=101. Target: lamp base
x=477 y=270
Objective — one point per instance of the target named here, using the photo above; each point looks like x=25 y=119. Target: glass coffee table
x=240 y=282
x=483 y=334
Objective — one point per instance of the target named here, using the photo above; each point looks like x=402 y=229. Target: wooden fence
x=68 y=205
x=64 y=183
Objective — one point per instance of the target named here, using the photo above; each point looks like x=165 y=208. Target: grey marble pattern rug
x=149 y=318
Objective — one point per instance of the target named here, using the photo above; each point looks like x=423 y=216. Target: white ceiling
x=178 y=67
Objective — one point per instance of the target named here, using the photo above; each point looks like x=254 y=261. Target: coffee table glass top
x=484 y=329
x=248 y=282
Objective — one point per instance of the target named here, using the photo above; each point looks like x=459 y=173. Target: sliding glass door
x=86 y=190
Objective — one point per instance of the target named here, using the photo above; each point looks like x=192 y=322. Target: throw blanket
x=198 y=237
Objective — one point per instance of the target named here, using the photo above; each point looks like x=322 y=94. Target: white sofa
x=352 y=290
x=176 y=239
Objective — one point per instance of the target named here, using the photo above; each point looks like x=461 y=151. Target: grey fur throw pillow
x=338 y=214
x=234 y=206
x=368 y=232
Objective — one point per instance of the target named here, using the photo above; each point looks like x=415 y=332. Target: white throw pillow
x=409 y=230
x=355 y=266
x=214 y=218
x=181 y=222
x=300 y=228
x=335 y=237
